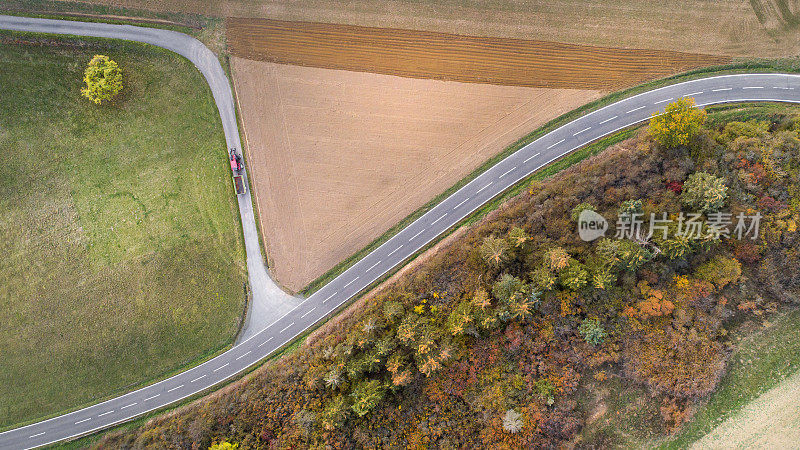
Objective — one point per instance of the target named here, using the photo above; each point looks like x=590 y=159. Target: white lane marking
x=463 y=201
x=36 y=435
x=323 y=302
x=440 y=218
x=479 y=190
x=307 y=313
x=721 y=89
x=198 y=378
x=287 y=327
x=412 y=237
x=753 y=87
x=693 y=93
x=608 y=120
x=269 y=339
x=108 y=412
x=84 y=420
x=128 y=406
x=398 y=248
x=175 y=388
x=589 y=128
x=354 y=279
x=373 y=266
x=529 y=158
x=634 y=109
x=220 y=367
x=663 y=101
x=548 y=148
x=150 y=398
x=780 y=87
x=506 y=173
x=245 y=354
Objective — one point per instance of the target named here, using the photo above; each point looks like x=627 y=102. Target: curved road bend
x=590 y=127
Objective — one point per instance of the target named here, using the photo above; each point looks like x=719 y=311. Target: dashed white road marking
x=634 y=109
x=36 y=435
x=287 y=327
x=273 y=336
x=323 y=302
x=198 y=378
x=440 y=218
x=529 y=158
x=721 y=89
x=373 y=266
x=107 y=413
x=175 y=388
x=506 y=173
x=753 y=87
x=462 y=202
x=412 y=237
x=693 y=94
x=548 y=148
x=393 y=251
x=479 y=190
x=220 y=367
x=245 y=354
x=128 y=406
x=150 y=398
x=608 y=120
x=84 y=420
x=354 y=279
x=303 y=316
x=587 y=128
x=663 y=101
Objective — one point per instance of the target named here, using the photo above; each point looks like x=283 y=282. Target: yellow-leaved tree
x=224 y=445
x=678 y=124
x=103 y=79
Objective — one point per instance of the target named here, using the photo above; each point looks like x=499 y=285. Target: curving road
x=305 y=313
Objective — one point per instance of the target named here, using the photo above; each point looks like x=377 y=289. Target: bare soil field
x=770 y=421
x=338 y=157
x=422 y=54
x=757 y=28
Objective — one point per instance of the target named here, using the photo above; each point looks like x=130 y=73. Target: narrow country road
x=286 y=317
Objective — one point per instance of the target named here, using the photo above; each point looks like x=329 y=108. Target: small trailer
x=237 y=167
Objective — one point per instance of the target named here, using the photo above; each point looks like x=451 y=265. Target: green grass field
x=122 y=257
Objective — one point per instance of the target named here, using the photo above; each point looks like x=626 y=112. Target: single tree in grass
x=103 y=79
x=678 y=124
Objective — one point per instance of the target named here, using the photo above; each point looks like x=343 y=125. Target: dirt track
x=441 y=56
x=770 y=421
x=339 y=157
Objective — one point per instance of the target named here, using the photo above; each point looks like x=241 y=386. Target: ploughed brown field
x=338 y=157
x=750 y=28
x=443 y=56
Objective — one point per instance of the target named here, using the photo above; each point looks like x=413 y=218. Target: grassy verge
x=122 y=257
x=780 y=65
x=761 y=361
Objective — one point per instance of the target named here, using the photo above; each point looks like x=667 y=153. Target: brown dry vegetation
x=756 y=28
x=422 y=54
x=339 y=157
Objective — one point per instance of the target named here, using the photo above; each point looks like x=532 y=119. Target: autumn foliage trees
x=487 y=343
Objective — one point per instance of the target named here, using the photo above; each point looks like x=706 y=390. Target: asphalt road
x=590 y=127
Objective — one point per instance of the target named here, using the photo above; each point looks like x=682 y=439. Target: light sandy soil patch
x=339 y=157
x=455 y=57
x=770 y=421
x=755 y=28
